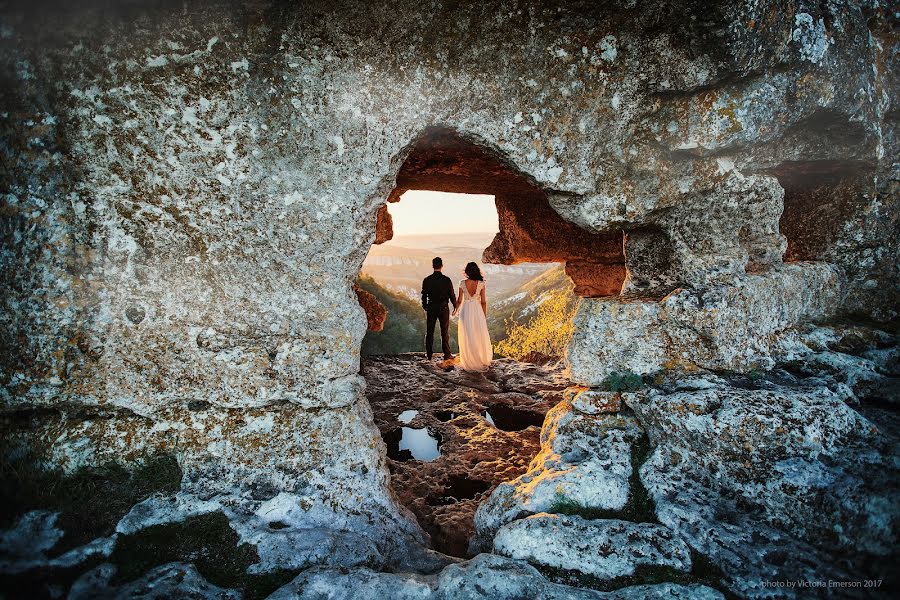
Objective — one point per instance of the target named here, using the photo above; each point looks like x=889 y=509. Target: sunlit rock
x=376 y=314
x=584 y=460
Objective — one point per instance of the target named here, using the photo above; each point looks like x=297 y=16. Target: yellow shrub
x=548 y=332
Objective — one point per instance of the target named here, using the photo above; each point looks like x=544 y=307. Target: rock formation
x=188 y=191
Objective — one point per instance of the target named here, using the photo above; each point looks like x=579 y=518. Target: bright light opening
x=423 y=212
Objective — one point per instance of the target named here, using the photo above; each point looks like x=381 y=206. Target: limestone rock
x=604 y=548
x=384 y=225
x=173 y=580
x=584 y=459
x=487 y=577
x=190 y=189
x=731 y=327
x=776 y=448
x=591 y=402
x=772 y=482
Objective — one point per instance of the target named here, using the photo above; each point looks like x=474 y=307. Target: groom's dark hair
x=436 y=262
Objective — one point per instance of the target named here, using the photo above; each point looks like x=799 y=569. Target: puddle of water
x=408 y=443
x=457 y=489
x=407 y=415
x=507 y=418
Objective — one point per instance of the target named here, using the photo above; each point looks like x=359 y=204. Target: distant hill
x=400 y=264
x=518 y=306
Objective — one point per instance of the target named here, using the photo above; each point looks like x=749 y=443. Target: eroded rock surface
x=779 y=477
x=486 y=577
x=602 y=548
x=189 y=189
x=730 y=326
x=475 y=454
x=584 y=460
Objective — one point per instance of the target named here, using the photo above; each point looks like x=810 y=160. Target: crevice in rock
x=819 y=198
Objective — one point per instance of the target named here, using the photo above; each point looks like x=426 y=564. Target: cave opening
x=453 y=436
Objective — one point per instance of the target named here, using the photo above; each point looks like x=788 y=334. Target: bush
x=547 y=333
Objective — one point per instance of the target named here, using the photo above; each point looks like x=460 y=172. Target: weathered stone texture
x=188 y=191
x=376 y=313
x=601 y=548
x=732 y=327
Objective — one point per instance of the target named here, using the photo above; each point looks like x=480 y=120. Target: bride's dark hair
x=473 y=272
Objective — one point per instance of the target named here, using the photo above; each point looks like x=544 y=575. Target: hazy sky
x=421 y=212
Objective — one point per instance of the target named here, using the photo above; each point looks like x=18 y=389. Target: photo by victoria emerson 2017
x=499 y=300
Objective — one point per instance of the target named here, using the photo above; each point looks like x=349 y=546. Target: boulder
x=731 y=326
x=602 y=548
x=485 y=577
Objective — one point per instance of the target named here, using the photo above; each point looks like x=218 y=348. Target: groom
x=437 y=289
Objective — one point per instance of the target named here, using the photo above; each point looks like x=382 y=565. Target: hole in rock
x=463 y=201
x=457 y=489
x=407 y=415
x=445 y=415
x=483 y=208
x=820 y=197
x=508 y=418
x=408 y=443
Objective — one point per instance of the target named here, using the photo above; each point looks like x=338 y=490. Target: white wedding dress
x=475 y=351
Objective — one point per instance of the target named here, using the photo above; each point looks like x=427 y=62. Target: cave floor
x=486 y=425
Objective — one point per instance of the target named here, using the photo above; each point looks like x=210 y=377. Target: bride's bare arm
x=483 y=300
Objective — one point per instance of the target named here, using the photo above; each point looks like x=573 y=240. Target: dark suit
x=437 y=290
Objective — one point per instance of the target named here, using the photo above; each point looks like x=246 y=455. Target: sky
x=422 y=212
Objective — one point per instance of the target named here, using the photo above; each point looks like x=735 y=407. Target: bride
x=475 y=351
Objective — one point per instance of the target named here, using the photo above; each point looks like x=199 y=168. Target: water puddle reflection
x=408 y=443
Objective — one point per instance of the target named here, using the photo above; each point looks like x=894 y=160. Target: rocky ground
x=454 y=407
x=681 y=485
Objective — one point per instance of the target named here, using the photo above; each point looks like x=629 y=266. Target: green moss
x=207 y=541
x=43 y=583
x=622 y=382
x=702 y=572
x=639 y=508
x=90 y=501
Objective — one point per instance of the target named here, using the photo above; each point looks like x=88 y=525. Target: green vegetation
x=404 y=329
x=516 y=307
x=702 y=572
x=209 y=542
x=90 y=501
x=639 y=508
x=547 y=333
x=622 y=382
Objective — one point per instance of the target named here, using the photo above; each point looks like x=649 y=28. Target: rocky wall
x=189 y=190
